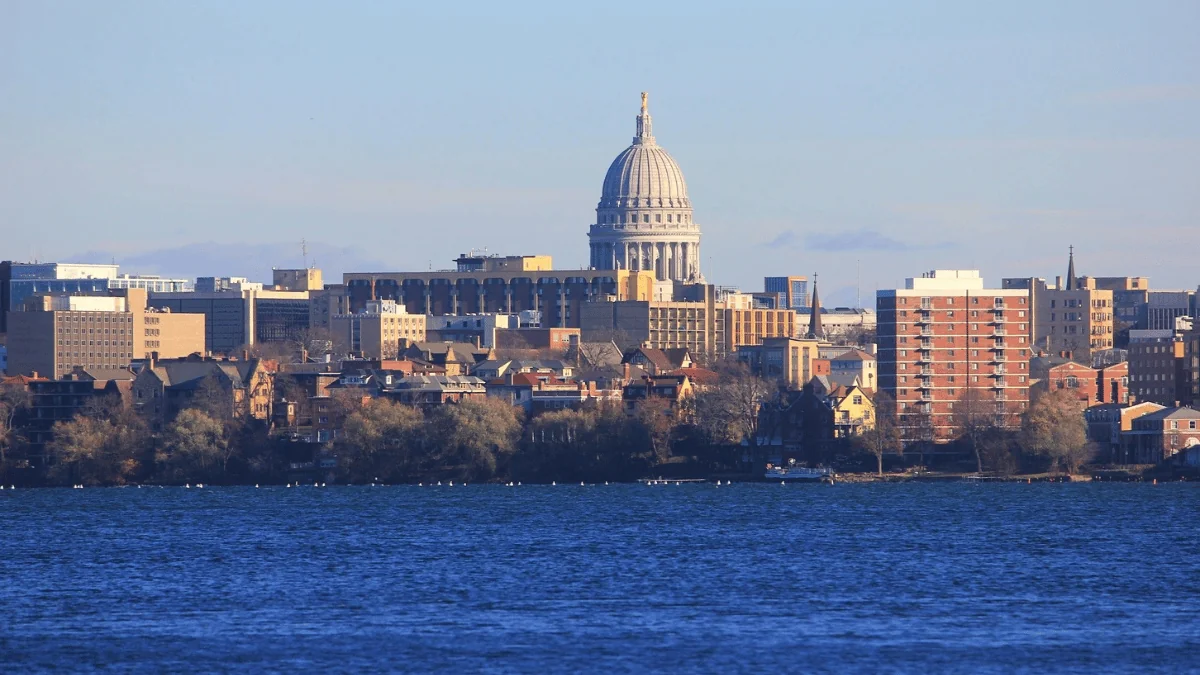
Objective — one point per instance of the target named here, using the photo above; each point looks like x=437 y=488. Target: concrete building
x=242 y=316
x=1158 y=370
x=1072 y=319
x=1164 y=307
x=644 y=217
x=786 y=360
x=151 y=283
x=499 y=287
x=709 y=324
x=306 y=279
x=57 y=333
x=379 y=331
x=944 y=336
x=23 y=280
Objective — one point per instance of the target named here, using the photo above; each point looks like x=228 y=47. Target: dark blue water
x=748 y=578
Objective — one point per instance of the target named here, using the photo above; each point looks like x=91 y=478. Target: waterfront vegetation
x=478 y=440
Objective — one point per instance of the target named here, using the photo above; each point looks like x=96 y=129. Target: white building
x=644 y=217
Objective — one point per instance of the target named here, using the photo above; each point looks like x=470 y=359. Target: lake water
x=745 y=578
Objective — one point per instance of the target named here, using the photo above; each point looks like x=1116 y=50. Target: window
x=858 y=401
x=645 y=217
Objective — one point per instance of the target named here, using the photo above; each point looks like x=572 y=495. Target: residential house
x=230 y=387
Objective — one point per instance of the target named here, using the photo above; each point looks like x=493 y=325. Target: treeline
x=1049 y=435
x=476 y=440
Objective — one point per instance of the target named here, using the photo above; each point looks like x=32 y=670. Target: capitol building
x=644 y=218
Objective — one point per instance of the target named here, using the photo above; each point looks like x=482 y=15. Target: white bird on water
x=553 y=483
x=188 y=486
x=255 y=486
x=451 y=483
x=580 y=483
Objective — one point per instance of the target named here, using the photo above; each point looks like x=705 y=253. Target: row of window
x=613 y=219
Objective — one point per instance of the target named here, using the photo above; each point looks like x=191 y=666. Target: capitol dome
x=644 y=217
x=644 y=175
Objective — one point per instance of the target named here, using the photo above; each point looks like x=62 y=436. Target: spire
x=1072 y=284
x=814 y=320
x=644 y=134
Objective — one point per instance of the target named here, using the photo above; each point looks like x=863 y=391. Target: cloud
x=850 y=240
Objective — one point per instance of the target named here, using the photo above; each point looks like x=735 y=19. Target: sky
x=863 y=141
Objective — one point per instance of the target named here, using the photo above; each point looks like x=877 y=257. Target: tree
x=14 y=400
x=96 y=450
x=378 y=442
x=728 y=412
x=656 y=416
x=974 y=417
x=884 y=437
x=475 y=438
x=194 y=448
x=1054 y=427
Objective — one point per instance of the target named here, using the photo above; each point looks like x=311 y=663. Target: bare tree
x=15 y=398
x=884 y=437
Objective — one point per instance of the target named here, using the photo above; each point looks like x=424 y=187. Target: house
x=674 y=388
x=1160 y=435
x=225 y=387
x=659 y=361
x=853 y=365
x=539 y=394
x=431 y=390
x=302 y=407
x=458 y=358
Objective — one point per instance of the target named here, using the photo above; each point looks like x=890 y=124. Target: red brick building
x=1090 y=385
x=944 y=337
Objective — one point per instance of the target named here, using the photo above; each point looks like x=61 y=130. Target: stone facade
x=644 y=217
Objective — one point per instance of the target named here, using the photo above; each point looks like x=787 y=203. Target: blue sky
x=865 y=141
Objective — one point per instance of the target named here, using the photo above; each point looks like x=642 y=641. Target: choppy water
x=748 y=578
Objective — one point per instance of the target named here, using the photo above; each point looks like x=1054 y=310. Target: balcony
x=926 y=345
x=925 y=384
x=926 y=372
x=999 y=383
x=999 y=357
x=926 y=397
x=925 y=357
x=999 y=372
x=926 y=332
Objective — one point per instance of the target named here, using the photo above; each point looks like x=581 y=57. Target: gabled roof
x=678 y=356
x=701 y=376
x=854 y=355
x=657 y=357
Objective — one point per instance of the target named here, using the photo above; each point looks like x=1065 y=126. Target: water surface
x=748 y=578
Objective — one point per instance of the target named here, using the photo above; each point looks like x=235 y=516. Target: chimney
x=245 y=354
x=625 y=372
x=152 y=362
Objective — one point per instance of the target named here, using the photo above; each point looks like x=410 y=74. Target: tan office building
x=55 y=334
x=378 y=330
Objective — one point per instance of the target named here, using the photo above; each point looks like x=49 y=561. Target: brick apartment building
x=944 y=335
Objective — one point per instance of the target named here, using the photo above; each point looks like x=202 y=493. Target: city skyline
x=936 y=132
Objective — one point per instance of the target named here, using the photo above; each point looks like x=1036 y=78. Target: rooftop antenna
x=858 y=283
x=304 y=251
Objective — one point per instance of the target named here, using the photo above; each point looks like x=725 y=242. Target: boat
x=795 y=473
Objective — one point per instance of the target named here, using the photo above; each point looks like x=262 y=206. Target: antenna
x=304 y=251
x=858 y=283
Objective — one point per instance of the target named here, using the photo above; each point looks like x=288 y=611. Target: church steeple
x=1072 y=283
x=645 y=135
x=815 y=331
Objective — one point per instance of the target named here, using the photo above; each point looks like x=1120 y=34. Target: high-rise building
x=56 y=333
x=1072 y=319
x=945 y=339
x=644 y=217
x=242 y=316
